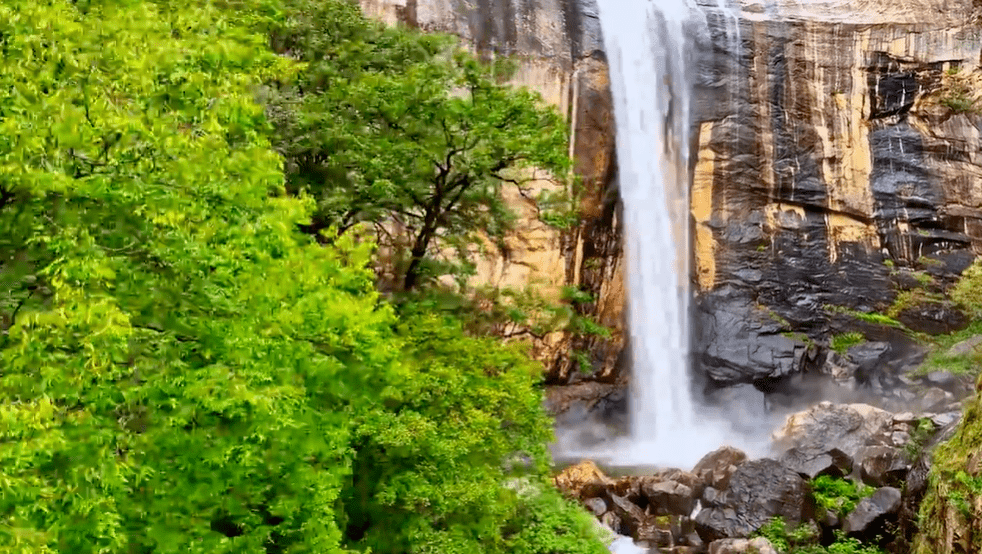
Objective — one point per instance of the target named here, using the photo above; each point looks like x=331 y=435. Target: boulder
x=871 y=513
x=882 y=465
x=934 y=399
x=758 y=491
x=738 y=342
x=632 y=518
x=583 y=480
x=715 y=468
x=847 y=427
x=758 y=545
x=867 y=359
x=612 y=521
x=669 y=497
x=811 y=463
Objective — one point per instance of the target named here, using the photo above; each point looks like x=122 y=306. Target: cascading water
x=648 y=44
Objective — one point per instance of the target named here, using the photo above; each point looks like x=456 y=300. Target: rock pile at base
x=726 y=498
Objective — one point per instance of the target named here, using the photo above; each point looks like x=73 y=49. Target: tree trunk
x=418 y=252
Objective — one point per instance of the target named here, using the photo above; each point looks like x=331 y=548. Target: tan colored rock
x=554 y=42
x=583 y=480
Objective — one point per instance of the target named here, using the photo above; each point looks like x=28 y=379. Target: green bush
x=184 y=372
x=838 y=495
x=804 y=539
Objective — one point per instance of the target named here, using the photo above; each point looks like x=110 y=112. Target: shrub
x=838 y=495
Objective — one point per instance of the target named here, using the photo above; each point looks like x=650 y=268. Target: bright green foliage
x=968 y=290
x=786 y=539
x=182 y=372
x=465 y=407
x=838 y=495
x=843 y=342
x=951 y=513
x=804 y=539
x=408 y=132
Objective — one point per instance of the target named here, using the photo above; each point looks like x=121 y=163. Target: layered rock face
x=835 y=163
x=838 y=170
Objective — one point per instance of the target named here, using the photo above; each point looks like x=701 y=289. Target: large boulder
x=873 y=513
x=632 y=518
x=882 y=465
x=738 y=342
x=757 y=491
x=847 y=427
x=812 y=463
x=715 y=468
x=583 y=480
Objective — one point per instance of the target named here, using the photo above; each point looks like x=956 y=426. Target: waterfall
x=649 y=44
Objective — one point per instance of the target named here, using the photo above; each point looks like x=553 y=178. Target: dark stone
x=669 y=497
x=882 y=465
x=868 y=357
x=872 y=513
x=631 y=516
x=758 y=491
x=934 y=318
x=741 y=343
x=811 y=464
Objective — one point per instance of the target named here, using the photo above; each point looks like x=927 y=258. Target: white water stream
x=649 y=46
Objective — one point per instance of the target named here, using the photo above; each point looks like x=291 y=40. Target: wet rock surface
x=872 y=514
x=758 y=491
x=726 y=498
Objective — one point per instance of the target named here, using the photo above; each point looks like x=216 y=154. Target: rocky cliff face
x=838 y=166
x=838 y=170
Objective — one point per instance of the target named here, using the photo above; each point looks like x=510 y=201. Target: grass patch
x=958 y=364
x=868 y=317
x=844 y=341
x=958 y=101
x=910 y=298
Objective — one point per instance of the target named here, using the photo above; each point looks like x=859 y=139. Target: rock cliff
x=838 y=169
x=838 y=157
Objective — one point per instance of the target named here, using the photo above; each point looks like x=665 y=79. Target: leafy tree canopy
x=406 y=131
x=180 y=371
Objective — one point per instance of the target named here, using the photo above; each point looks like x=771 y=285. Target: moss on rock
x=950 y=519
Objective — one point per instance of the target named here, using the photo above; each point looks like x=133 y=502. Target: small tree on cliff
x=407 y=132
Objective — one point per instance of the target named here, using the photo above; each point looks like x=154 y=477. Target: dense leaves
x=407 y=132
x=180 y=370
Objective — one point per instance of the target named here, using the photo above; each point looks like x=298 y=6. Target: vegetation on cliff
x=951 y=513
x=182 y=370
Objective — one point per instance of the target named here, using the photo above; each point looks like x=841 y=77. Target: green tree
x=180 y=370
x=422 y=143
